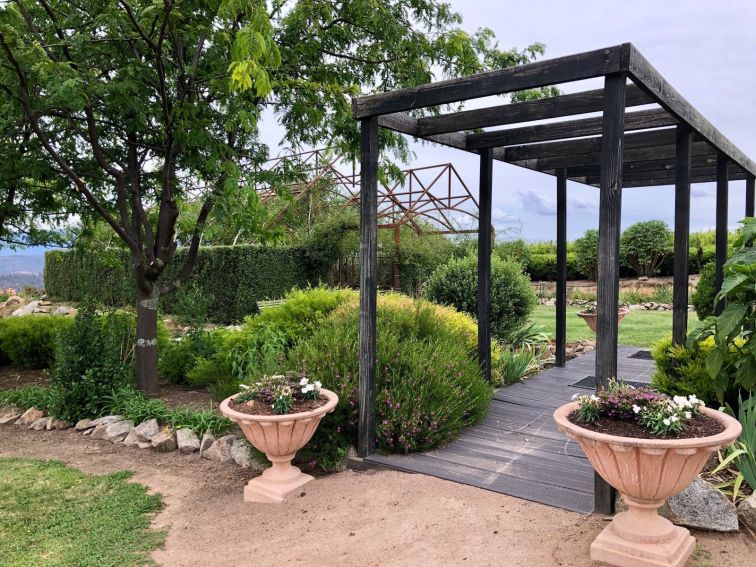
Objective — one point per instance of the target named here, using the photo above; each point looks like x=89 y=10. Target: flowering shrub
x=654 y=411
x=280 y=392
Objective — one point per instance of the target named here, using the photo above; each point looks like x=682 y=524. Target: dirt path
x=360 y=519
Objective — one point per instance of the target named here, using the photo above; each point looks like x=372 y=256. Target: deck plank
x=517 y=449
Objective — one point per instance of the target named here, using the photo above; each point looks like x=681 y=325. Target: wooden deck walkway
x=517 y=449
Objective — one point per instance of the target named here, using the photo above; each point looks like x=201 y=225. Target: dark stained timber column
x=610 y=210
x=750 y=195
x=721 y=224
x=561 y=275
x=484 y=262
x=682 y=231
x=366 y=436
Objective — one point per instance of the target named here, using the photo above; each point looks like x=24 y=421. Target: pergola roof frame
x=671 y=144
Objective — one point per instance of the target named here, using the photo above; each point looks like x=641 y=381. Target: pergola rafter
x=668 y=143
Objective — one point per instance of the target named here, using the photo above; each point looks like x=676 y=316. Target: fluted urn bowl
x=279 y=437
x=591 y=318
x=646 y=472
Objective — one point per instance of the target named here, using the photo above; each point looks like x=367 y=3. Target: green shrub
x=681 y=371
x=233 y=277
x=512 y=297
x=92 y=359
x=515 y=364
x=586 y=254
x=179 y=356
x=702 y=298
x=29 y=341
x=428 y=382
x=644 y=246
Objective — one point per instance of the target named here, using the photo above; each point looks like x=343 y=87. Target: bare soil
x=12 y=377
x=347 y=519
x=695 y=427
x=259 y=407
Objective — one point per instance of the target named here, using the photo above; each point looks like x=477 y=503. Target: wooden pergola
x=669 y=143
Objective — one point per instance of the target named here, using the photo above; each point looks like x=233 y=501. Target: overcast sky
x=707 y=50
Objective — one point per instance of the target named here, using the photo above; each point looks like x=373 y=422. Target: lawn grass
x=638 y=328
x=53 y=515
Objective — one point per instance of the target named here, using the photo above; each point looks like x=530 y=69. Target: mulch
x=256 y=407
x=698 y=426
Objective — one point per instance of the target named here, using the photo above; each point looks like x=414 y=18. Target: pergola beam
x=640 y=120
x=649 y=79
x=534 y=75
x=528 y=111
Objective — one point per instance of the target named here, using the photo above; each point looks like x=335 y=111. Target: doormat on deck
x=642 y=355
x=589 y=383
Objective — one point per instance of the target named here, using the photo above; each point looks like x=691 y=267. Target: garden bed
x=697 y=426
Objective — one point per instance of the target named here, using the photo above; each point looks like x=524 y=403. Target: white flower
x=636 y=408
x=594 y=398
x=318 y=385
x=701 y=404
x=693 y=399
x=303 y=381
x=575 y=396
x=666 y=421
x=688 y=415
x=305 y=390
x=674 y=418
x=243 y=386
x=310 y=387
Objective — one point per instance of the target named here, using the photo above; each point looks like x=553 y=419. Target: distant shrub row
x=233 y=278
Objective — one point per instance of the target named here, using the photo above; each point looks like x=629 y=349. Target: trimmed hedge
x=234 y=277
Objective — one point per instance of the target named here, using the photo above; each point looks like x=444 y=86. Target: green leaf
x=730 y=320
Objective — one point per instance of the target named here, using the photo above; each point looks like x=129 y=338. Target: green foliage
x=542 y=266
x=428 y=382
x=228 y=280
x=135 y=406
x=56 y=515
x=512 y=298
x=586 y=254
x=702 y=298
x=515 y=364
x=29 y=341
x=179 y=356
x=644 y=246
x=25 y=397
x=92 y=358
x=746 y=459
x=732 y=361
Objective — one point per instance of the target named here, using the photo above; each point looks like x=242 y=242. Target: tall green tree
x=141 y=105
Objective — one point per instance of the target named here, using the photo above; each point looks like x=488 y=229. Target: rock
x=83 y=424
x=61 y=310
x=30 y=416
x=147 y=430
x=241 y=453
x=89 y=431
x=132 y=439
x=187 y=440
x=207 y=441
x=144 y=444
x=27 y=309
x=40 y=424
x=59 y=424
x=747 y=512
x=106 y=420
x=699 y=506
x=10 y=305
x=9 y=415
x=164 y=442
x=220 y=450
x=117 y=431
x=100 y=432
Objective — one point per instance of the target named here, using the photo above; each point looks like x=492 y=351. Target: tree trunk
x=146 y=348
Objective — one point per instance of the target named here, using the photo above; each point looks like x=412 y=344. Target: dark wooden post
x=484 y=262
x=750 y=195
x=366 y=436
x=610 y=211
x=721 y=225
x=682 y=231
x=561 y=275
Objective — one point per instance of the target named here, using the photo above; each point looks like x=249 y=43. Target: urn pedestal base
x=611 y=549
x=276 y=482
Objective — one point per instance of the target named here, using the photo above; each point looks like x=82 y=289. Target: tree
x=644 y=246
x=586 y=254
x=143 y=105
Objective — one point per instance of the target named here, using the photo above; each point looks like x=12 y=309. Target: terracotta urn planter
x=279 y=437
x=590 y=317
x=645 y=472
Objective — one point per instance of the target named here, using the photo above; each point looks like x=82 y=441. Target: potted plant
x=649 y=447
x=278 y=415
x=589 y=315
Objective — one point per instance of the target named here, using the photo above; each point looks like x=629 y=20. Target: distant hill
x=19 y=270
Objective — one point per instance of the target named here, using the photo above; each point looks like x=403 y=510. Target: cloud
x=533 y=201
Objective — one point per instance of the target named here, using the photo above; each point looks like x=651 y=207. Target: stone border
x=146 y=435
